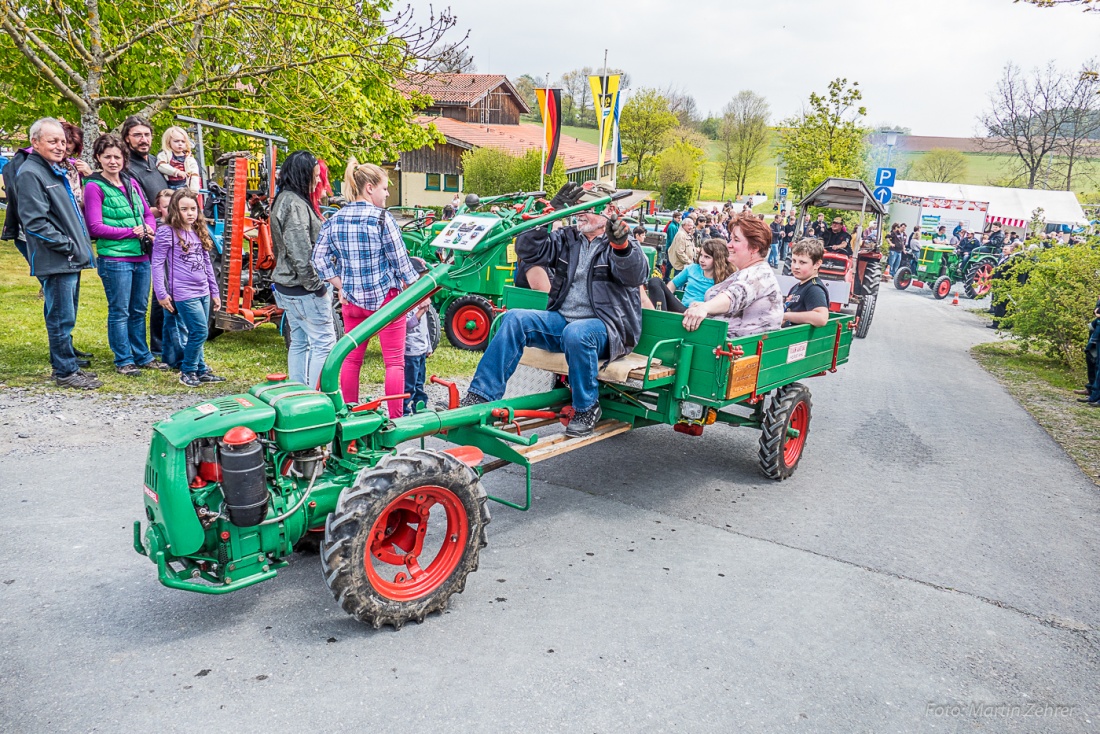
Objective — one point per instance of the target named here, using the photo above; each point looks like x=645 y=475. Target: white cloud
x=927 y=65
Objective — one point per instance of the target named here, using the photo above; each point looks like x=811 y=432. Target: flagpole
x=542 y=114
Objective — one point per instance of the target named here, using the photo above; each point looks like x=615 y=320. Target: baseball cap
x=838 y=220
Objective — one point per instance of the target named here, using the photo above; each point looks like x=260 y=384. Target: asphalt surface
x=934 y=565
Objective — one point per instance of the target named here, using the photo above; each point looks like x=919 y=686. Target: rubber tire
x=774 y=430
x=971 y=271
x=872 y=277
x=865 y=312
x=337 y=324
x=212 y=331
x=359 y=506
x=435 y=327
x=936 y=287
x=903 y=278
x=452 y=310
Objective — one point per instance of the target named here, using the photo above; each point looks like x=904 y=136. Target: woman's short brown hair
x=74 y=135
x=107 y=141
x=755 y=231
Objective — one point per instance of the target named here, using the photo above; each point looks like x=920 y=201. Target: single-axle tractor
x=234 y=484
x=941 y=266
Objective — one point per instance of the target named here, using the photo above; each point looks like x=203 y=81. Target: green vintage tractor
x=235 y=484
x=939 y=267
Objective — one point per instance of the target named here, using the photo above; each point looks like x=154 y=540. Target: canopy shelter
x=1010 y=207
x=846 y=194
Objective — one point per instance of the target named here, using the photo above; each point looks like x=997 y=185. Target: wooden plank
x=556 y=446
x=656 y=372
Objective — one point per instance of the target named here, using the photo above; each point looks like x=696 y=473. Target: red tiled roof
x=462 y=90
x=515 y=139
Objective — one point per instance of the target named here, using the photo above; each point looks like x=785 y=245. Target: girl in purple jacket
x=183 y=281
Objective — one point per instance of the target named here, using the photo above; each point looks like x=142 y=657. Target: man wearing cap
x=594 y=315
x=837 y=240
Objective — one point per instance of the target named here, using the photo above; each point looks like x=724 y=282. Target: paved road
x=935 y=548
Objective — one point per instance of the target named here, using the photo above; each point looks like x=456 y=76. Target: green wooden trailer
x=235 y=484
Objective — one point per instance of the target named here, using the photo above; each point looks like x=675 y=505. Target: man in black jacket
x=594 y=314
x=58 y=245
x=137 y=133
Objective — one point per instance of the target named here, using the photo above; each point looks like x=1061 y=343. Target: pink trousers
x=392 y=338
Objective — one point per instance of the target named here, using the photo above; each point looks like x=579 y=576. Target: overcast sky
x=925 y=64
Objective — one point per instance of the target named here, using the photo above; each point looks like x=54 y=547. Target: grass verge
x=1045 y=388
x=243 y=358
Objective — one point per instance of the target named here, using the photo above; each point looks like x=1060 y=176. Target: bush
x=1051 y=309
x=678 y=196
x=490 y=171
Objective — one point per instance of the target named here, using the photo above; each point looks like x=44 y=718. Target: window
x=432 y=182
x=450 y=182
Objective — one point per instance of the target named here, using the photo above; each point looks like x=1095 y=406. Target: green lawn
x=1044 y=387
x=242 y=357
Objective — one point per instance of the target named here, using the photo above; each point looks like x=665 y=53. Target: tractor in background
x=940 y=267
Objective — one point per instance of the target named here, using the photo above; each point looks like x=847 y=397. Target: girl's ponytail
x=358 y=175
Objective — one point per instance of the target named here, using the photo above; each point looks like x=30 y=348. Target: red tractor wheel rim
x=944 y=288
x=982 y=279
x=799 y=420
x=471 y=325
x=397 y=539
x=905 y=282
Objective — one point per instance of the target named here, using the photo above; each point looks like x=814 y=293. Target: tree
x=1082 y=121
x=680 y=163
x=644 y=122
x=526 y=86
x=942 y=165
x=491 y=171
x=743 y=137
x=682 y=105
x=456 y=60
x=1026 y=117
x=322 y=74
x=577 y=98
x=826 y=139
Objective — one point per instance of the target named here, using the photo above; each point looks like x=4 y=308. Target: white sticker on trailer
x=796 y=352
x=207 y=408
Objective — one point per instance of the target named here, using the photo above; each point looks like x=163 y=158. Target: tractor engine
x=228 y=483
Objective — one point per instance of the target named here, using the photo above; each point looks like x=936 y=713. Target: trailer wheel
x=979 y=279
x=467 y=322
x=903 y=278
x=941 y=288
x=404 y=537
x=789 y=408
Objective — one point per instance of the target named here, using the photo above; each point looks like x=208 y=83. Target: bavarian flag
x=550 y=109
x=605 y=95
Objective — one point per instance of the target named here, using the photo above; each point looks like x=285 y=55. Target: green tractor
x=940 y=267
x=234 y=485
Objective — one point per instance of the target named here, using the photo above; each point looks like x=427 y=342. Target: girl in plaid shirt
x=360 y=251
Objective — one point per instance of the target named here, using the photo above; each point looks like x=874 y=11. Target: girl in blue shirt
x=713 y=267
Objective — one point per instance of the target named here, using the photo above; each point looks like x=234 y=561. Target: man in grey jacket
x=58 y=245
x=594 y=314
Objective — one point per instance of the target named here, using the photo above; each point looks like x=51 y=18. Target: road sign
x=883 y=194
x=783 y=192
x=885 y=177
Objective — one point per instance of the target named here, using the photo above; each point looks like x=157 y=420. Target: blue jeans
x=893 y=262
x=416 y=371
x=312 y=334
x=60 y=293
x=773 y=255
x=185 y=333
x=127 y=287
x=583 y=342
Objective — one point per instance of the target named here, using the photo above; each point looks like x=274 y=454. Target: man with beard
x=137 y=133
x=594 y=314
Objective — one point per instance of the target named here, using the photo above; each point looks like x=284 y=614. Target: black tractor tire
x=337 y=324
x=903 y=278
x=386 y=490
x=435 y=327
x=212 y=330
x=938 y=289
x=779 y=455
x=865 y=312
x=464 y=309
x=872 y=277
x=971 y=287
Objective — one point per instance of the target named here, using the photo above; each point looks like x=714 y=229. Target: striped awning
x=1008 y=221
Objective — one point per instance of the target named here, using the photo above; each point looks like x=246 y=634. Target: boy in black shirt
x=808 y=302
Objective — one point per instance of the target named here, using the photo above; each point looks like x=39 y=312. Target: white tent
x=1013 y=207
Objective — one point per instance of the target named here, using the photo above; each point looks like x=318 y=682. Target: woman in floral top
x=750 y=299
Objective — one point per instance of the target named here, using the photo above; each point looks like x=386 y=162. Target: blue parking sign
x=885 y=177
x=783 y=192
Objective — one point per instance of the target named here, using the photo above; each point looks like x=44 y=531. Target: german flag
x=550 y=109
